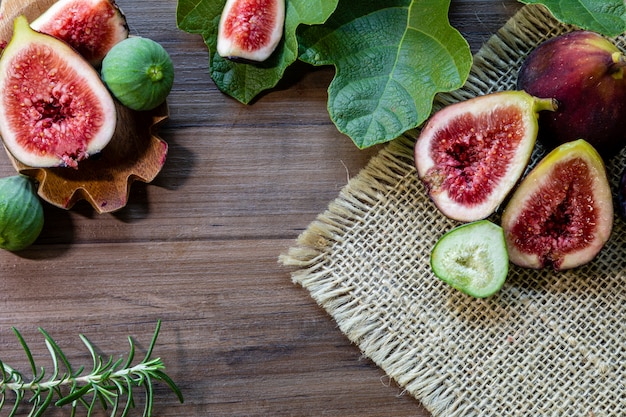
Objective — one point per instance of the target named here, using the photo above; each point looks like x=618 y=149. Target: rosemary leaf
x=108 y=383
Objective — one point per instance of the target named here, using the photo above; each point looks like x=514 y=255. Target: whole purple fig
x=584 y=72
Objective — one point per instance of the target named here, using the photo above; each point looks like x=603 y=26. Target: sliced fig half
x=54 y=109
x=470 y=154
x=250 y=30
x=91 y=27
x=561 y=215
x=472 y=258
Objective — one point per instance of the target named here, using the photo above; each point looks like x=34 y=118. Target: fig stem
x=616 y=69
x=548 y=104
x=155 y=73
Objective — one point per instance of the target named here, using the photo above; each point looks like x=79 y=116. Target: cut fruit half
x=472 y=258
x=561 y=215
x=92 y=27
x=54 y=109
x=250 y=30
x=470 y=154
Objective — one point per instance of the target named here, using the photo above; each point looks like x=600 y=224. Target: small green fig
x=21 y=213
x=472 y=258
x=138 y=72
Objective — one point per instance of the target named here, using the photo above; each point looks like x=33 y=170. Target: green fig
x=21 y=213
x=472 y=258
x=138 y=72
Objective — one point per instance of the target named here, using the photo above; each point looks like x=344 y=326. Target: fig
x=561 y=215
x=21 y=213
x=138 y=72
x=54 y=109
x=470 y=154
x=584 y=72
x=472 y=258
x=250 y=30
x=91 y=27
x=621 y=195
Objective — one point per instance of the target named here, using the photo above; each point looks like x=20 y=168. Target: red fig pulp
x=585 y=73
x=250 y=29
x=561 y=215
x=91 y=27
x=470 y=154
x=54 y=109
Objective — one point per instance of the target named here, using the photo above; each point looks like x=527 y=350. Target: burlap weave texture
x=548 y=344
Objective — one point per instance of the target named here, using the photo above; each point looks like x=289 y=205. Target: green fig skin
x=472 y=258
x=584 y=72
x=21 y=213
x=139 y=73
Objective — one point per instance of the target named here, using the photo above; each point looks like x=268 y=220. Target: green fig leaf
x=607 y=17
x=244 y=81
x=391 y=58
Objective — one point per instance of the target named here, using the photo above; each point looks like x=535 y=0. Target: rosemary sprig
x=109 y=383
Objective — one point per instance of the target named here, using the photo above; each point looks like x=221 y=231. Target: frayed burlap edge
x=506 y=373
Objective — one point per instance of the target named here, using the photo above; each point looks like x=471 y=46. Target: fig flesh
x=584 y=72
x=561 y=215
x=470 y=154
x=54 y=109
x=472 y=258
x=250 y=30
x=92 y=27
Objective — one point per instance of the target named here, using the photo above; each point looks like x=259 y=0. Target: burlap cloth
x=548 y=344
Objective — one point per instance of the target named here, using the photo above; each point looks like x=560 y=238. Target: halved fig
x=472 y=258
x=470 y=154
x=561 y=215
x=91 y=27
x=250 y=29
x=54 y=109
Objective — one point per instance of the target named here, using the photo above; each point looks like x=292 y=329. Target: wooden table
x=199 y=246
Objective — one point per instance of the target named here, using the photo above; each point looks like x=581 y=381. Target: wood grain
x=198 y=248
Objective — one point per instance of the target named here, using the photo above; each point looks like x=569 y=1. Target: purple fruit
x=585 y=72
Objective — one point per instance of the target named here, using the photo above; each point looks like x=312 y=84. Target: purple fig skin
x=584 y=72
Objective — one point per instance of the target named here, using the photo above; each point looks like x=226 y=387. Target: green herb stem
x=108 y=382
